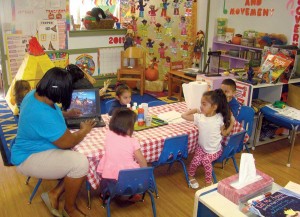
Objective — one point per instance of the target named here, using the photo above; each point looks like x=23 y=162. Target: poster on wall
x=16 y=46
x=48 y=34
x=88 y=62
x=25 y=13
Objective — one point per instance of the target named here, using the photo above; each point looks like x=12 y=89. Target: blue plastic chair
x=246 y=117
x=131 y=182
x=229 y=151
x=156 y=103
x=108 y=104
x=174 y=149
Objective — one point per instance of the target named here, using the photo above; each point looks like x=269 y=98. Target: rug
x=8 y=131
x=168 y=99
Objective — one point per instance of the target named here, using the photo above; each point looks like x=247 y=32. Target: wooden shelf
x=237 y=58
x=237 y=46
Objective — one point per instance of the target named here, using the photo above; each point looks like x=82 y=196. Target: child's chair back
x=136 y=181
x=108 y=105
x=175 y=148
x=156 y=103
x=131 y=182
x=229 y=151
x=246 y=117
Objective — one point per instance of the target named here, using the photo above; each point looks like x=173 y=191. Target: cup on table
x=145 y=107
x=148 y=120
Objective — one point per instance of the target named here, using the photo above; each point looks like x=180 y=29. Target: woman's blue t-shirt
x=39 y=126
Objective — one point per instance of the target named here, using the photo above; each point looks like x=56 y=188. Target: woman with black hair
x=43 y=142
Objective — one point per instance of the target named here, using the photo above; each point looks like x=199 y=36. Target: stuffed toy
x=271 y=39
x=97 y=13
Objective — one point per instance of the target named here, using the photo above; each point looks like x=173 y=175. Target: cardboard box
x=294 y=96
x=239 y=195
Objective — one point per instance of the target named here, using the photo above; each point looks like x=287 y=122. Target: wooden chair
x=135 y=72
x=177 y=84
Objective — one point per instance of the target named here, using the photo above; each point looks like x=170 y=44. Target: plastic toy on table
x=279 y=104
x=156 y=122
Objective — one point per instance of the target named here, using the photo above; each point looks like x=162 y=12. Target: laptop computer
x=88 y=101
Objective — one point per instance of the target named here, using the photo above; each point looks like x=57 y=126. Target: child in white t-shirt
x=213 y=121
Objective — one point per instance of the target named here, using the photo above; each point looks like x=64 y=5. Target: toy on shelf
x=98 y=19
x=279 y=104
x=198 y=49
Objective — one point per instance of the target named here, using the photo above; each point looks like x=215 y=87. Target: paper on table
x=171 y=117
x=193 y=92
x=292 y=186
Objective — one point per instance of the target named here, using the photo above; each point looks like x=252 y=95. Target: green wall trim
x=97 y=32
x=3 y=60
x=79 y=51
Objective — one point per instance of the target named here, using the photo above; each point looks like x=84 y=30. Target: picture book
x=273 y=67
x=279 y=204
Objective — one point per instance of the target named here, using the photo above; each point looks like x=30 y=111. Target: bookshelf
x=235 y=56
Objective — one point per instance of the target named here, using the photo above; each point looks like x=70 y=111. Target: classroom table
x=209 y=203
x=277 y=116
x=151 y=140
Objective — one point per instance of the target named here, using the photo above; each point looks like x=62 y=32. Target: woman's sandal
x=193 y=183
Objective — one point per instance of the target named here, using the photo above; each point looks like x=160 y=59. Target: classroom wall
x=280 y=18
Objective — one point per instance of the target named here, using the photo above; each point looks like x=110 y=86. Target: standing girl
x=123 y=97
x=213 y=121
x=122 y=151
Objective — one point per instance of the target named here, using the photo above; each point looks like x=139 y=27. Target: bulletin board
x=16 y=46
x=164 y=29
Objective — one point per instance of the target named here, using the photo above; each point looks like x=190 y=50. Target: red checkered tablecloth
x=151 y=140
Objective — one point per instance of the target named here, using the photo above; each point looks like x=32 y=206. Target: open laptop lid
x=87 y=100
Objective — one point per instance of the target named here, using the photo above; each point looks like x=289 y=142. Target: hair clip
x=54 y=86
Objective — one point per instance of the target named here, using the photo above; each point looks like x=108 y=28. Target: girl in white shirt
x=214 y=120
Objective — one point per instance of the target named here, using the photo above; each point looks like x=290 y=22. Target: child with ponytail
x=214 y=120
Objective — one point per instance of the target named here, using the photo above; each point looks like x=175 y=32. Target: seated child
x=21 y=88
x=214 y=120
x=229 y=88
x=123 y=97
x=122 y=151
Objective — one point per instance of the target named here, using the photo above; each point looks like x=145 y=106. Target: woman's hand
x=87 y=125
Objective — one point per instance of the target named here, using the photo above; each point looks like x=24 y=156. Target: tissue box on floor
x=237 y=195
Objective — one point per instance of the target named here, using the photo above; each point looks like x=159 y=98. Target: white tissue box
x=238 y=195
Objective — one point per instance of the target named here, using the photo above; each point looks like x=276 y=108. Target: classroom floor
x=175 y=198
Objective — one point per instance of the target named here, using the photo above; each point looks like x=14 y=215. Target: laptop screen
x=87 y=100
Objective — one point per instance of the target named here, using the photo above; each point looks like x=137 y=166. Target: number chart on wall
x=109 y=59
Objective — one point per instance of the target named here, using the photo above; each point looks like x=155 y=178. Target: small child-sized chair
x=174 y=149
x=108 y=104
x=229 y=151
x=246 y=117
x=156 y=103
x=131 y=182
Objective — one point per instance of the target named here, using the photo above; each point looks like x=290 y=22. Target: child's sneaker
x=193 y=183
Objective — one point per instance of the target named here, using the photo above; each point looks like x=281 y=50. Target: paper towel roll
x=193 y=92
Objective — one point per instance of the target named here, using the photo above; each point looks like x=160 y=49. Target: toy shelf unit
x=246 y=93
x=235 y=56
